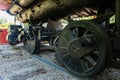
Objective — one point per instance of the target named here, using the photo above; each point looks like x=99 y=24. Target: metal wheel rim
x=83 y=66
x=30 y=43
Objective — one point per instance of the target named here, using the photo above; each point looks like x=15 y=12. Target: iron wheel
x=31 y=42
x=82 y=47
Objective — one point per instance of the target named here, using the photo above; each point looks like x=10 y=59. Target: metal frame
x=117 y=13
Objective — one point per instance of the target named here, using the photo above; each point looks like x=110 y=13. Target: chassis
x=84 y=47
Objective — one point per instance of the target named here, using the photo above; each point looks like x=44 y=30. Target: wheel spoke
x=75 y=64
x=90 y=60
x=68 y=61
x=69 y=36
x=81 y=31
x=83 y=65
x=90 y=49
x=75 y=32
x=96 y=52
x=62 y=49
x=81 y=48
x=63 y=41
x=66 y=40
x=86 y=50
x=85 y=33
x=65 y=55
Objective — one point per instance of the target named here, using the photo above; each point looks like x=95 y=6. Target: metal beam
x=117 y=14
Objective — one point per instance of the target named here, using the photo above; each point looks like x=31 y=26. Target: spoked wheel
x=82 y=47
x=32 y=43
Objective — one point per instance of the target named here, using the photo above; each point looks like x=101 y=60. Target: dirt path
x=17 y=64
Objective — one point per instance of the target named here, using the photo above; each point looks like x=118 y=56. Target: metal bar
x=50 y=63
x=57 y=67
x=117 y=14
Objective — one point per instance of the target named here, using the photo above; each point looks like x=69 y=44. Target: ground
x=17 y=64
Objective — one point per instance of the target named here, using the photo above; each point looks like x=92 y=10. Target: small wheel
x=82 y=47
x=32 y=43
x=12 y=38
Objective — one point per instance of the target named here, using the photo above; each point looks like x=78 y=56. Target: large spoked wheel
x=82 y=47
x=31 y=42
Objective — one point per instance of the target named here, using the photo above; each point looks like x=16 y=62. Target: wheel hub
x=80 y=47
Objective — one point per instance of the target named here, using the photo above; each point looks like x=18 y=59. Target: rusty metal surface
x=43 y=10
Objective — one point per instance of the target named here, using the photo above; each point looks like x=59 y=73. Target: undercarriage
x=84 y=47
